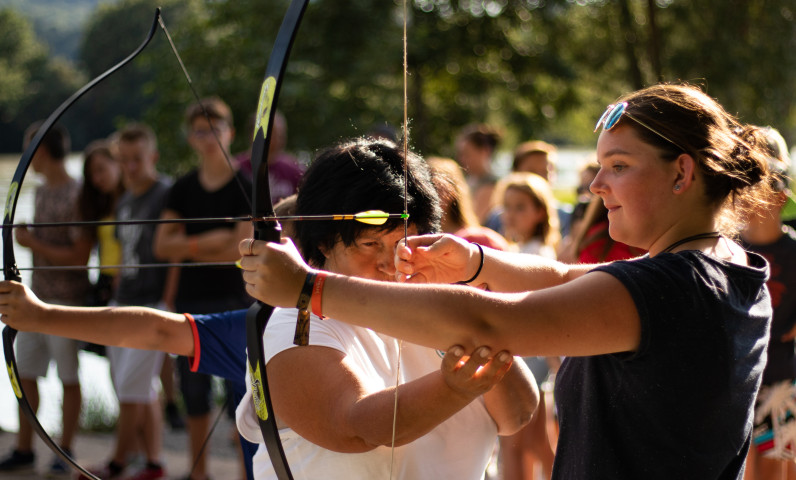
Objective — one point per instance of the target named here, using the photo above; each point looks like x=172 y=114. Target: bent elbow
x=521 y=418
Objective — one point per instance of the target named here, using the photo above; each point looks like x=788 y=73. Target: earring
x=677 y=188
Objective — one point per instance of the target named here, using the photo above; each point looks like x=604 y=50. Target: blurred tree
x=58 y=23
x=112 y=33
x=342 y=77
x=538 y=68
x=31 y=84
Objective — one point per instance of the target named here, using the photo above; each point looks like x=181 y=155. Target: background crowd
x=521 y=210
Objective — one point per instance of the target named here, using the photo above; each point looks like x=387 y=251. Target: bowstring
x=204 y=111
x=231 y=167
x=406 y=220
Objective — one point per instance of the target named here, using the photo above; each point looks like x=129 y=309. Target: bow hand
x=274 y=272
x=19 y=306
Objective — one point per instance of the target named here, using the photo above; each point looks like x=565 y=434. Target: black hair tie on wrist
x=480 y=266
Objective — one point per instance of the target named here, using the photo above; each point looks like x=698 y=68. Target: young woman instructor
x=665 y=352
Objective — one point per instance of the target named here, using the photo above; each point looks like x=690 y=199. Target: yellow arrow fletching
x=374 y=217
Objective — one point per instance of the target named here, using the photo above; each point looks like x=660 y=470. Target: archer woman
x=664 y=353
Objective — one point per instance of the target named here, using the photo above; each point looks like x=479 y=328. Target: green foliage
x=31 y=84
x=536 y=68
x=343 y=75
x=58 y=23
x=112 y=33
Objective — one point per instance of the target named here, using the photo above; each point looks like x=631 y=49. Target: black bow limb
x=10 y=270
x=260 y=313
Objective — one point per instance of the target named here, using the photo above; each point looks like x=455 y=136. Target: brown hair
x=481 y=135
x=453 y=191
x=729 y=155
x=56 y=140
x=533 y=146
x=133 y=132
x=92 y=203
x=216 y=109
x=541 y=194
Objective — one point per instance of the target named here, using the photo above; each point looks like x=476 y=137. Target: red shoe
x=148 y=473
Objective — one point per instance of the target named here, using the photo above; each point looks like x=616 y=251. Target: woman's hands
x=274 y=272
x=436 y=259
x=473 y=375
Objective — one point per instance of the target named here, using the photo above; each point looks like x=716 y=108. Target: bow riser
x=259 y=313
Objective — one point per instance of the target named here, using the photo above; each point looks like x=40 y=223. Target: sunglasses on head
x=614 y=112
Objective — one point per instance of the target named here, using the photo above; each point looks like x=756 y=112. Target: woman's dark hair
x=356 y=176
x=729 y=155
x=92 y=203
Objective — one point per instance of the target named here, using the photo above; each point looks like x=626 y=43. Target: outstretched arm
x=131 y=327
x=450 y=259
x=590 y=315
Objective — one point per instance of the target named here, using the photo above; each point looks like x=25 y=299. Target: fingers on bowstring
x=404 y=268
x=403 y=252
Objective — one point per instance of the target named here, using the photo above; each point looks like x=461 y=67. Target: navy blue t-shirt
x=220 y=340
x=682 y=405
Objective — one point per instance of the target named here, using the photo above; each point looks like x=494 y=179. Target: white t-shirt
x=458 y=448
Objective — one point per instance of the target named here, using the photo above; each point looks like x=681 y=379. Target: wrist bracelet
x=317 y=293
x=480 y=266
x=302 y=335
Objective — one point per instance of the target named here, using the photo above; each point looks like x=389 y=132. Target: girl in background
x=102 y=187
x=772 y=454
x=529 y=215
